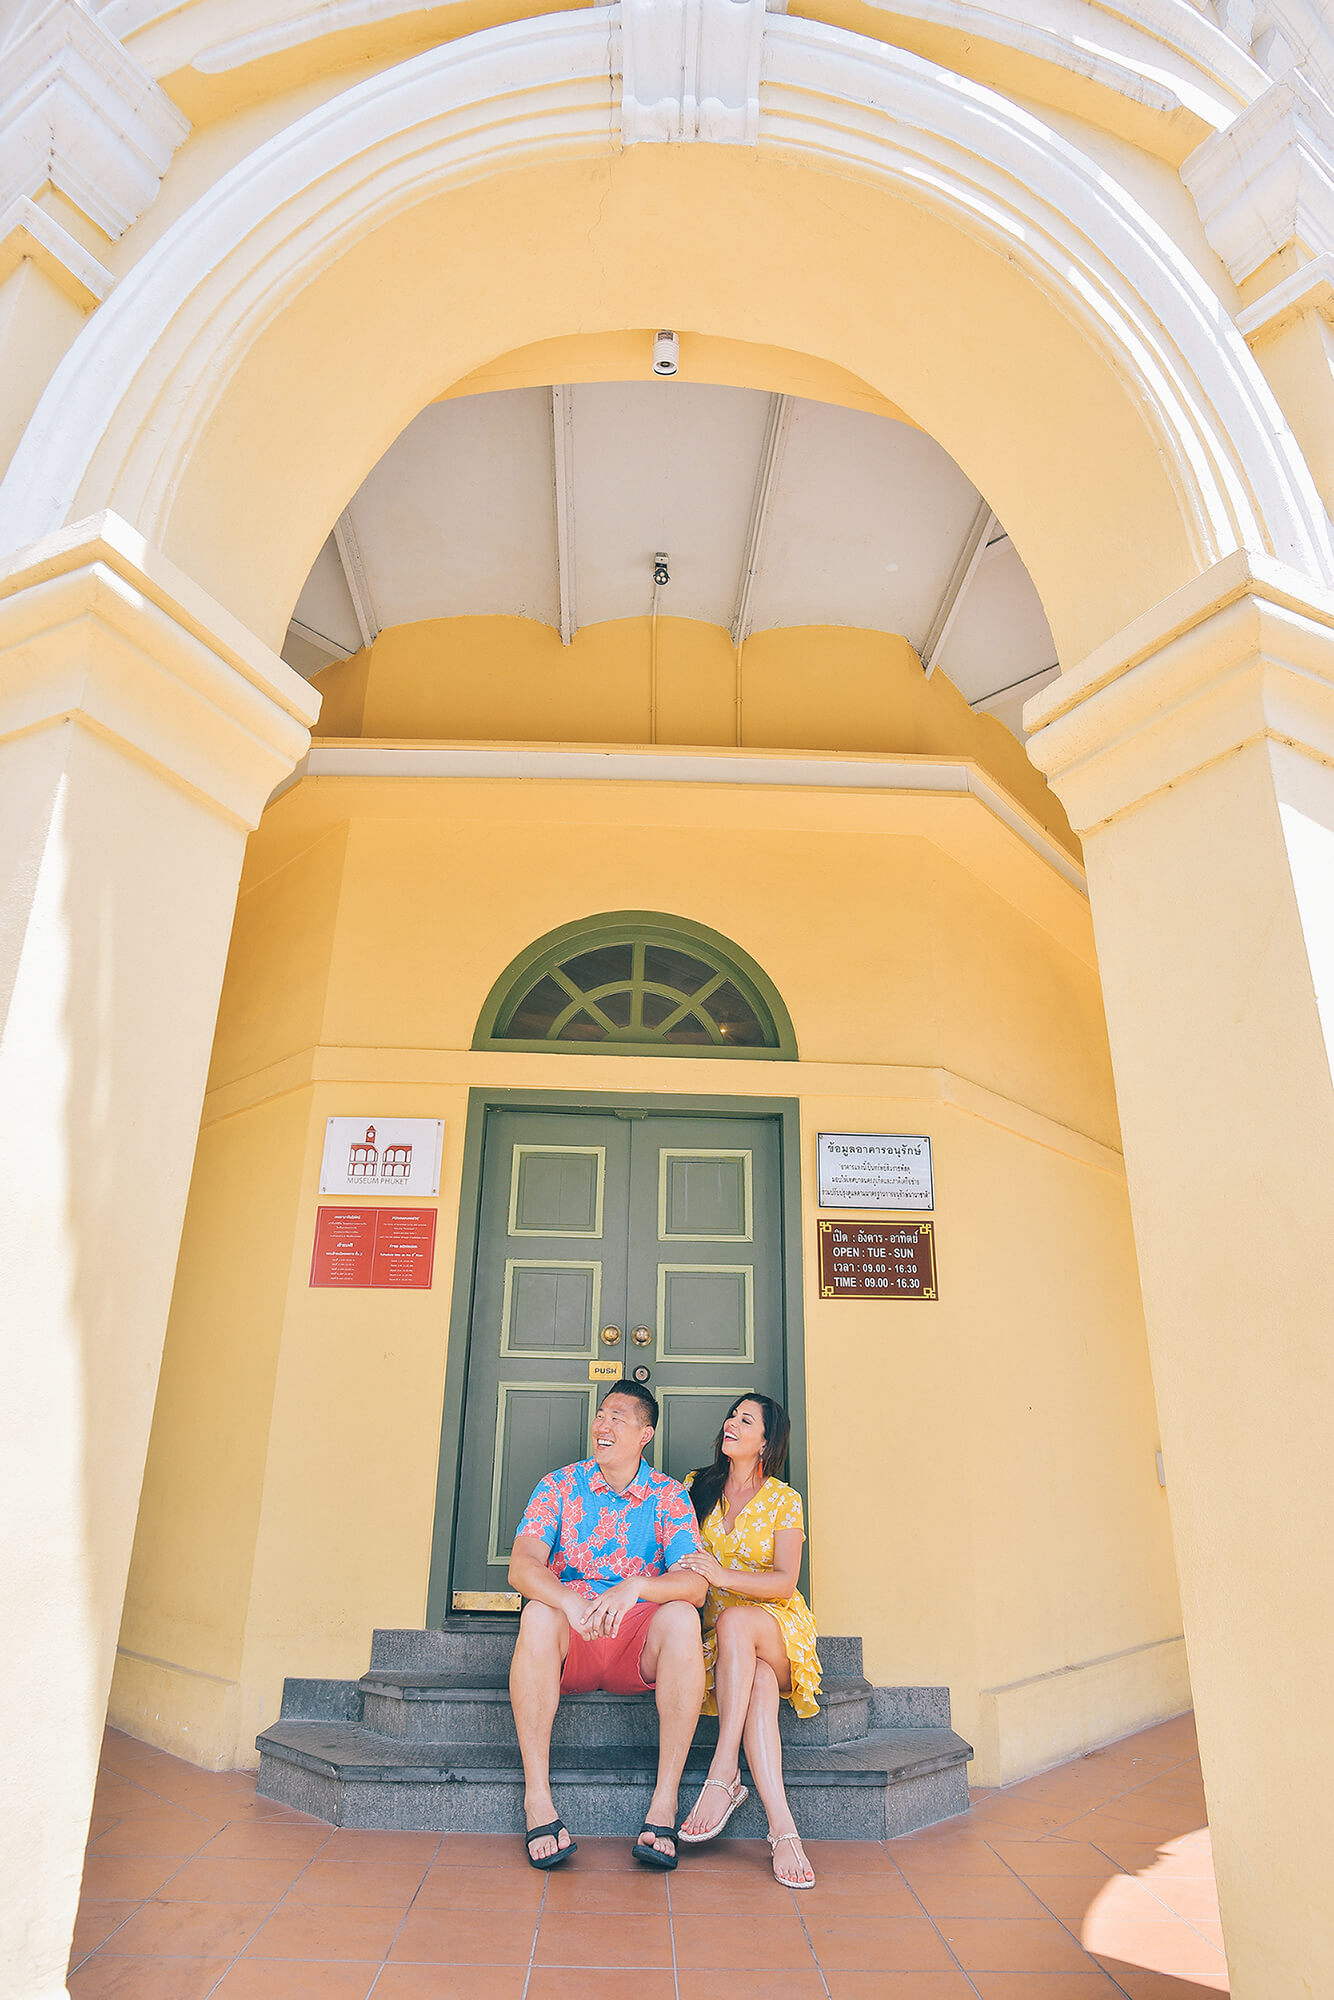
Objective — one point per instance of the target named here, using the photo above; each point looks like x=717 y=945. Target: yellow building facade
x=907 y=717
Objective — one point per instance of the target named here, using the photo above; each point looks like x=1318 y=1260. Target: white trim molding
x=829 y=771
x=80 y=114
x=1268 y=180
x=1309 y=289
x=28 y=231
x=129 y=404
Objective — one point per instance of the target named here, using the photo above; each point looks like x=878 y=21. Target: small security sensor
x=666 y=352
x=661 y=573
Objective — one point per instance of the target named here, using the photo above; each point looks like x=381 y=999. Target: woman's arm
x=766 y=1586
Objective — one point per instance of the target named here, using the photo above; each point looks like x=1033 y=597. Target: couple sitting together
x=617 y=1562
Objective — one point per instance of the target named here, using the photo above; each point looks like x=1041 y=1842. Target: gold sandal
x=775 y=1841
x=737 y=1795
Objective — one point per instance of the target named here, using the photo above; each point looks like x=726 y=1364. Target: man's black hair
x=640 y=1393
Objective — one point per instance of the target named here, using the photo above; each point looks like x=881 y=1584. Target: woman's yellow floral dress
x=751 y=1547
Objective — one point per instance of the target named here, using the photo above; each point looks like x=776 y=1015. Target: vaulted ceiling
x=772 y=511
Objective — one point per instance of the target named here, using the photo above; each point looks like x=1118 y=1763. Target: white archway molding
x=124 y=415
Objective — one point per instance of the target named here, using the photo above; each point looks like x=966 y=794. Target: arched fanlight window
x=637 y=982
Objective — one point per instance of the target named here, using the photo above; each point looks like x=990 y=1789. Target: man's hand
x=578 y=1609
x=608 y=1610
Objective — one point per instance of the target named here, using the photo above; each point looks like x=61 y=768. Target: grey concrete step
x=891 y=1781
x=415 y=1706
x=483 y=1645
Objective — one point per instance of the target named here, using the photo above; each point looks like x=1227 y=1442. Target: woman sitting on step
x=759 y=1635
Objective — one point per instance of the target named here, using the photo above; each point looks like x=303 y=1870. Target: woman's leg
x=742 y=1636
x=764 y=1754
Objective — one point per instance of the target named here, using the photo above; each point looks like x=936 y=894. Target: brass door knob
x=642 y=1336
x=611 y=1336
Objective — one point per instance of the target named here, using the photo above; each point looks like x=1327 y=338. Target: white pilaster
x=1195 y=755
x=141 y=730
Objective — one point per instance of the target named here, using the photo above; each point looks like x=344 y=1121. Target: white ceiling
x=865 y=525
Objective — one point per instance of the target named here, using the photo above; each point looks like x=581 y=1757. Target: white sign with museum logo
x=382 y=1156
x=884 y=1170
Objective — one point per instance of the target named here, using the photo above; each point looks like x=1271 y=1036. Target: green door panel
x=660 y=1225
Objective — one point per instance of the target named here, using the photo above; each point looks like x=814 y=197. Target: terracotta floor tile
x=958 y=1857
x=600 y=1938
x=716 y=1856
x=497 y=1850
x=1033 y=1858
x=717 y=1891
x=405 y=1849
x=788 y=1982
x=977 y=1896
x=451 y=1982
x=898 y=1986
x=643 y=1894
x=562 y=1983
x=155 y=1830
x=1045 y=1986
x=877 y=1944
x=264 y=1840
x=302 y=1930
x=464 y=1937
x=1173 y=1948
x=96 y=1922
x=1141 y=1985
x=773 y=1940
x=105 y=1978
x=284 y=1979
x=115 y=1877
x=391 y=1885
x=1102 y=1827
x=1076 y=1900
x=856 y=1896
x=213 y=1878
x=1036 y=1815
x=846 y=1857
x=189 y=1930
x=488 y=1889
x=1186 y=1896
x=987 y=1944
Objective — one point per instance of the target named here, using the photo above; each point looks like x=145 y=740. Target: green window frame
x=611 y=985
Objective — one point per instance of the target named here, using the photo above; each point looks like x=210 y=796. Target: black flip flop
x=653 y=1857
x=556 y=1827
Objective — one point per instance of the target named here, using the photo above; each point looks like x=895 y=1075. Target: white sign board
x=875 y=1170
x=381 y=1156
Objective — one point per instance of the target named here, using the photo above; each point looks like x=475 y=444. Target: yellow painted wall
x=806 y=687
x=998 y=1520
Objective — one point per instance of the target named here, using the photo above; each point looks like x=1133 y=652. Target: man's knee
x=542 y=1629
x=678 y=1621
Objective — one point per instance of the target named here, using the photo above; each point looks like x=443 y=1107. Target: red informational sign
x=404 y=1248
x=382 y=1247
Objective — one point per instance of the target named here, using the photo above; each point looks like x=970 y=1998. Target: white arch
x=118 y=422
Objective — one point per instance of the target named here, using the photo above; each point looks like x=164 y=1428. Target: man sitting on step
x=594 y=1556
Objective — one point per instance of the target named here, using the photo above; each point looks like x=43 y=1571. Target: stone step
x=891 y=1781
x=431 y=1707
x=483 y=1645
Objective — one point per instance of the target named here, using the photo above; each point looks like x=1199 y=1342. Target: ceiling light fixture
x=666 y=352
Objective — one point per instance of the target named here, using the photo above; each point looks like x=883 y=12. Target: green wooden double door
x=609 y=1242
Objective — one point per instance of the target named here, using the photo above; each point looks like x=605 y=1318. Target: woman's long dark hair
x=706 y=1488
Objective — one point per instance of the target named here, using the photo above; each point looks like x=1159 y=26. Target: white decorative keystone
x=691 y=70
x=80 y=114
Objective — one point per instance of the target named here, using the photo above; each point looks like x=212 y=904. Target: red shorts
x=611 y=1665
